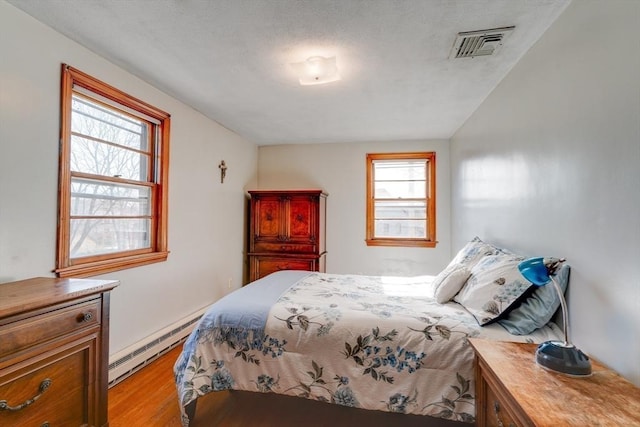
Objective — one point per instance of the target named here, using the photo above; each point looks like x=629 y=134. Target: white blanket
x=379 y=343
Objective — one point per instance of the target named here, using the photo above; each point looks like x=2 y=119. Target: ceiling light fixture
x=317 y=70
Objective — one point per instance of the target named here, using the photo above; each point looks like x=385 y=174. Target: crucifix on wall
x=223 y=171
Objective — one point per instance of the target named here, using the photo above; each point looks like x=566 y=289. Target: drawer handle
x=45 y=424
x=496 y=409
x=85 y=317
x=44 y=385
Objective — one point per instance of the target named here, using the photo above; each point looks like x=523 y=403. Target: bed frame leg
x=190 y=410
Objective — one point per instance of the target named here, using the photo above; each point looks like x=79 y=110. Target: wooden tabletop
x=553 y=399
x=38 y=292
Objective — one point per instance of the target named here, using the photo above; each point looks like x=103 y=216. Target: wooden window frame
x=158 y=183
x=430 y=198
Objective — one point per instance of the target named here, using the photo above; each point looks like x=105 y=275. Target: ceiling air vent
x=479 y=43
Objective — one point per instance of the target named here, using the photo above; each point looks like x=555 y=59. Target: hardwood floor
x=148 y=399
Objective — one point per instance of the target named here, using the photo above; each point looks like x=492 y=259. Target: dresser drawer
x=54 y=390
x=23 y=334
x=271 y=265
x=284 y=247
x=496 y=413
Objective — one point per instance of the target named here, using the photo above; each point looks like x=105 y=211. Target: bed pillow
x=501 y=251
x=472 y=253
x=449 y=282
x=494 y=287
x=538 y=308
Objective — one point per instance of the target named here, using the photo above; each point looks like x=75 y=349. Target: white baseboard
x=131 y=359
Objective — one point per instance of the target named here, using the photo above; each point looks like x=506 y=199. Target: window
x=114 y=161
x=401 y=199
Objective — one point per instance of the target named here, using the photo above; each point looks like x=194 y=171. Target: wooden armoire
x=286 y=231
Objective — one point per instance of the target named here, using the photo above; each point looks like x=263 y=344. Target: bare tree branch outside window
x=114 y=171
x=108 y=216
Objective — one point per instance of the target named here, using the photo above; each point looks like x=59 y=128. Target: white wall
x=550 y=165
x=206 y=218
x=340 y=170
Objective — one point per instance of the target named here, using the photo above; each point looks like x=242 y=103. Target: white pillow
x=473 y=252
x=449 y=282
x=495 y=285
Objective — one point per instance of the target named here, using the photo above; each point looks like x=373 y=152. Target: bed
x=393 y=344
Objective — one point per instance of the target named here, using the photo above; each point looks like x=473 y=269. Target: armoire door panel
x=301 y=219
x=267 y=219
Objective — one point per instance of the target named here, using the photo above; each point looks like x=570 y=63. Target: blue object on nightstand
x=556 y=356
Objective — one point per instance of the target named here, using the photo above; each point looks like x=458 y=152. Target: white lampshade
x=317 y=70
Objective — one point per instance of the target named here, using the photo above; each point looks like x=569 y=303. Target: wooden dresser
x=286 y=231
x=54 y=350
x=513 y=391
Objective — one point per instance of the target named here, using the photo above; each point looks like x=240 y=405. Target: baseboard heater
x=135 y=357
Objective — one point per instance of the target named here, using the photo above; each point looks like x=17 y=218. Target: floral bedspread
x=379 y=343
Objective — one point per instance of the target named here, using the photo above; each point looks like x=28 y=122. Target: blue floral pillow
x=494 y=287
x=472 y=253
x=537 y=309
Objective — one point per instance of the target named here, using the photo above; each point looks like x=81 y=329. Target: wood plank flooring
x=148 y=399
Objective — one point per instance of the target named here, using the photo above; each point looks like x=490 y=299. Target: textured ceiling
x=230 y=59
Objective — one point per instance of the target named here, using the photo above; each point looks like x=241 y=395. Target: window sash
x=99 y=236
x=401 y=199
x=124 y=212
x=105 y=199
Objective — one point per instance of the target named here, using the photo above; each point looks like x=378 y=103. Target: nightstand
x=512 y=390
